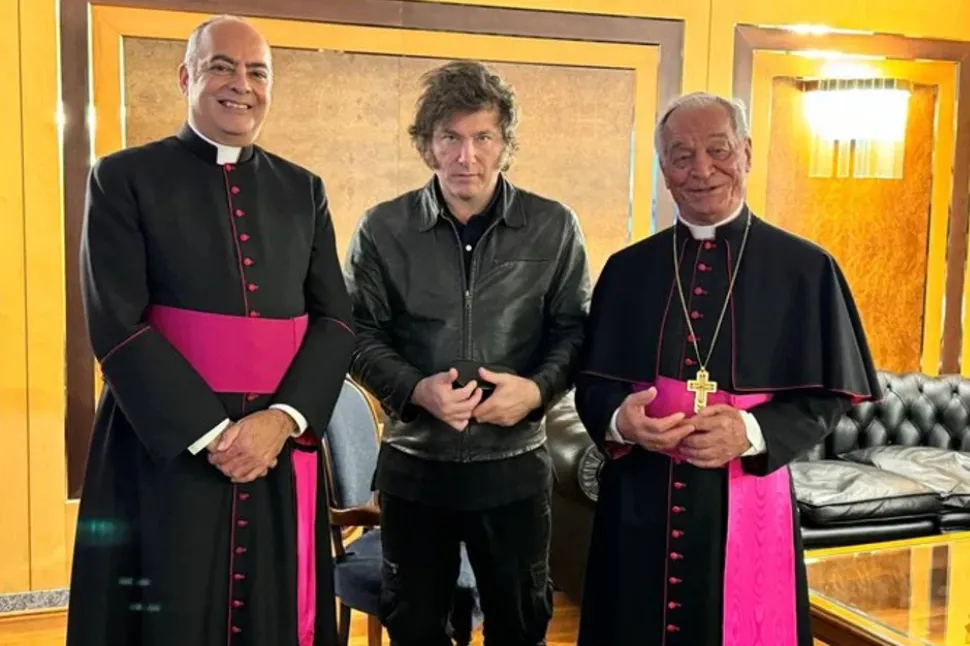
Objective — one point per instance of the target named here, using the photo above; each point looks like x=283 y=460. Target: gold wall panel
x=877 y=229
x=45 y=312
x=14 y=439
x=345 y=116
x=949 y=19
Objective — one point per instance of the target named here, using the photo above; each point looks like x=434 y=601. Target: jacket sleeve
x=792 y=423
x=314 y=380
x=166 y=401
x=566 y=312
x=598 y=395
x=597 y=400
x=376 y=364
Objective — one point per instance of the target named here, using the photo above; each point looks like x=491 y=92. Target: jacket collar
x=510 y=209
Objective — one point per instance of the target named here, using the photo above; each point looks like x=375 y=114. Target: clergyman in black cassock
x=219 y=316
x=696 y=536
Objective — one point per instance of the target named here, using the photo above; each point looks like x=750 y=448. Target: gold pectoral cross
x=701 y=386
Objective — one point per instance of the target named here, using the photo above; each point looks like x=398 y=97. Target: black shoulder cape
x=792 y=322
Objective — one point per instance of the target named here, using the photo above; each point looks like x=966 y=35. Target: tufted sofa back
x=916 y=410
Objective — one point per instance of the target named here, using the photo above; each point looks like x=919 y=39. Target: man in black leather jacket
x=470 y=297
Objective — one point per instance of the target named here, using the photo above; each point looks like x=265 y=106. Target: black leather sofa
x=897 y=468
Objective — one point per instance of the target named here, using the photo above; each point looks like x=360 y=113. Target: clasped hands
x=709 y=439
x=248 y=449
x=514 y=397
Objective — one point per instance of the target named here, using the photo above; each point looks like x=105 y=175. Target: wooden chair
x=351 y=445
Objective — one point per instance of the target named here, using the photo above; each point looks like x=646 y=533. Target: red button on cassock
x=242 y=522
x=240 y=213
x=238 y=577
x=234 y=190
x=673 y=580
x=252 y=287
x=676 y=533
x=676 y=509
x=244 y=237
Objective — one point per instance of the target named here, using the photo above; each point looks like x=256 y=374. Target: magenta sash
x=759 y=567
x=234 y=354
x=247 y=354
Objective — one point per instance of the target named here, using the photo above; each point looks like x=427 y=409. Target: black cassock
x=657 y=565
x=211 y=291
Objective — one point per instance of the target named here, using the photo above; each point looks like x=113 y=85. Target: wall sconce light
x=858 y=126
x=866 y=109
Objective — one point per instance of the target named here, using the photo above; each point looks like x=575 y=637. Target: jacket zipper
x=466 y=320
x=469 y=285
x=468 y=280
x=466 y=299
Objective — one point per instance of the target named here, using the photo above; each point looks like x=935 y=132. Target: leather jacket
x=523 y=306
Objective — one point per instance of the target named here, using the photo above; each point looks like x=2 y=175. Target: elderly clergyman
x=718 y=350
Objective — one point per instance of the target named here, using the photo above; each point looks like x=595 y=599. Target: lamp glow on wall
x=858 y=126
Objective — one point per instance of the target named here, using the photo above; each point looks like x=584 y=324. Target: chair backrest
x=352 y=445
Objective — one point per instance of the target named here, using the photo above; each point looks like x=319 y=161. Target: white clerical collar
x=224 y=154
x=707 y=232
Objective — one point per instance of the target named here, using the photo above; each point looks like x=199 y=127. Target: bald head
x=227 y=76
x=201 y=36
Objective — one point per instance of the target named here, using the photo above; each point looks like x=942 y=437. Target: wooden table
x=903 y=593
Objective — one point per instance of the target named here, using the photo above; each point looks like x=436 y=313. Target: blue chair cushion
x=357 y=574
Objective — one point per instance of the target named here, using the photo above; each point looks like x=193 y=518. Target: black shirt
x=464 y=485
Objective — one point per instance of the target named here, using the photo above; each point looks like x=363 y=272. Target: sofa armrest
x=575 y=458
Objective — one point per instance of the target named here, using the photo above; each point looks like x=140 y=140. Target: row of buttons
x=699 y=291
x=677 y=485
x=238 y=550
x=243 y=237
x=674 y=556
x=241 y=523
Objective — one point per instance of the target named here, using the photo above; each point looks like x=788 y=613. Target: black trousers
x=508 y=548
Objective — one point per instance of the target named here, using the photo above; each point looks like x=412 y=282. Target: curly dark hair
x=462 y=87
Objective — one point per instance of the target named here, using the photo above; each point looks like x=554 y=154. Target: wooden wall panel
x=345 y=116
x=877 y=229
x=948 y=61
x=769 y=60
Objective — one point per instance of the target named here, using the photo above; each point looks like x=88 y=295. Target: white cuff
x=614 y=434
x=753 y=430
x=300 y=420
x=206 y=439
